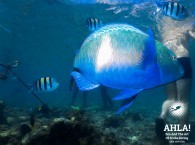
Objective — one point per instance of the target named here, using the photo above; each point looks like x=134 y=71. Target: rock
x=127 y=130
x=136 y=117
x=113 y=121
x=61 y=119
x=24 y=129
x=2 y=116
x=11 y=120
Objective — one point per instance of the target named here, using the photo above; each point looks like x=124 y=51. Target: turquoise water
x=45 y=34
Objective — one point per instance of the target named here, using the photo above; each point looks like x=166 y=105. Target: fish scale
x=130 y=34
x=121 y=56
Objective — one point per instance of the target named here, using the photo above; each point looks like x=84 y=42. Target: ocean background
x=44 y=36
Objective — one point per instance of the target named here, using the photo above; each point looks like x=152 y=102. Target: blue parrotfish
x=123 y=57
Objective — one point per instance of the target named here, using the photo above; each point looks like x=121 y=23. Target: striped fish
x=45 y=84
x=93 y=24
x=173 y=10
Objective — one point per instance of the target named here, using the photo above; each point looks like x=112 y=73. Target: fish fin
x=127 y=104
x=150 y=50
x=82 y=82
x=158 y=6
x=127 y=94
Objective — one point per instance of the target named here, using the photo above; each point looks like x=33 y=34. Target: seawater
x=45 y=34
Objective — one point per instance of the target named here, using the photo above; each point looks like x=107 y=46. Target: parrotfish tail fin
x=149 y=54
x=126 y=103
x=127 y=94
x=83 y=83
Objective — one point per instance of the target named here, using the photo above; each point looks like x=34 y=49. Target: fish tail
x=159 y=4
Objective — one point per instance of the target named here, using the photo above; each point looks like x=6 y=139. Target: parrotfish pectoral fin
x=126 y=104
x=127 y=94
x=82 y=83
x=149 y=54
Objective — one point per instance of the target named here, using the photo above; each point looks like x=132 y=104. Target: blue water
x=45 y=34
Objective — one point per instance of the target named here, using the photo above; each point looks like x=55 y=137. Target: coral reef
x=2 y=117
x=78 y=127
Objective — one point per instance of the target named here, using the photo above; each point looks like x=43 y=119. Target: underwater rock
x=71 y=133
x=134 y=140
x=109 y=139
x=192 y=132
x=9 y=136
x=77 y=131
x=127 y=130
x=37 y=137
x=61 y=119
x=2 y=116
x=24 y=129
x=113 y=121
x=11 y=120
x=136 y=117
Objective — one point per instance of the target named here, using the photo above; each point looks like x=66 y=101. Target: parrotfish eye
x=174 y=57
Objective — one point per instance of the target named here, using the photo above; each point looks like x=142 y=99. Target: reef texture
x=78 y=127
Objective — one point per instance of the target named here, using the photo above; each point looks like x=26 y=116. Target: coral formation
x=2 y=116
x=78 y=127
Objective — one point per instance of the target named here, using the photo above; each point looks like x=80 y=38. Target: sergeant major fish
x=173 y=9
x=93 y=24
x=121 y=56
x=45 y=84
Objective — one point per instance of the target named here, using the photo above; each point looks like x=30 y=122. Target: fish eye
x=174 y=57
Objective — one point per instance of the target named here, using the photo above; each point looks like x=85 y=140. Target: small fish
x=176 y=108
x=45 y=84
x=93 y=24
x=123 y=57
x=173 y=9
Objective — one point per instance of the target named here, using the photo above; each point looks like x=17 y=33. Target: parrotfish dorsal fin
x=149 y=53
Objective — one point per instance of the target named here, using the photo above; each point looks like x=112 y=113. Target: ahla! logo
x=177 y=109
x=177 y=127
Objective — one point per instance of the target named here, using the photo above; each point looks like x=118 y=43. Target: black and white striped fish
x=173 y=9
x=45 y=84
x=93 y=24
